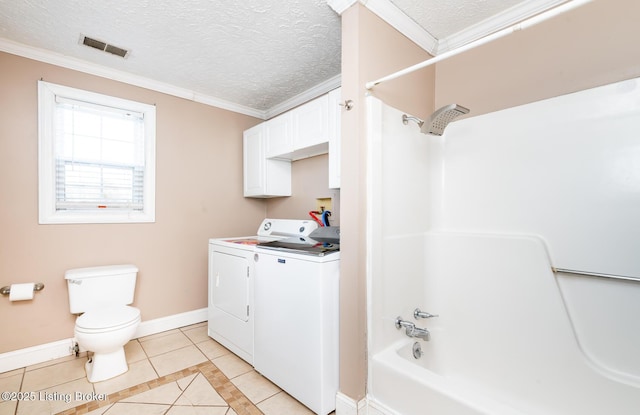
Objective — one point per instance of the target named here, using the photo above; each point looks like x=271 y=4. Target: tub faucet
x=417 y=313
x=411 y=330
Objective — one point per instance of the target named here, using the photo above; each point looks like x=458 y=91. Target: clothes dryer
x=231 y=279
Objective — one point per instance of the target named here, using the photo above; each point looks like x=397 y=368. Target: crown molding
x=391 y=14
x=500 y=21
x=384 y=9
x=316 y=91
x=53 y=58
x=339 y=6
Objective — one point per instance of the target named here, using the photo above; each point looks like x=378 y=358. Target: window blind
x=99 y=156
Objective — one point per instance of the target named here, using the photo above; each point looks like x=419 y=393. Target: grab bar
x=595 y=274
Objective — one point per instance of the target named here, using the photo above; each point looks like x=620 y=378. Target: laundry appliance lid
x=301 y=245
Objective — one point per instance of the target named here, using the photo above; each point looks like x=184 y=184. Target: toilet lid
x=109 y=317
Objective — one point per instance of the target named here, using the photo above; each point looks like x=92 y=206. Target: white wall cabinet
x=306 y=131
x=310 y=128
x=263 y=177
x=300 y=133
x=335 y=134
x=279 y=136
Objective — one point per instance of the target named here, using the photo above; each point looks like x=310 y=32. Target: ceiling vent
x=103 y=46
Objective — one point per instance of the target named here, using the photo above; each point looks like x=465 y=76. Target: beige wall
x=198 y=190
x=309 y=181
x=370 y=49
x=198 y=196
x=592 y=45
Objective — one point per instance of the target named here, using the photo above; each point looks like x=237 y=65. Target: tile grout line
x=130 y=391
x=223 y=386
x=147 y=357
x=229 y=392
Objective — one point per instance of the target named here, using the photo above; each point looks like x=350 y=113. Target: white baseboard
x=174 y=321
x=365 y=406
x=347 y=406
x=376 y=408
x=61 y=348
x=36 y=354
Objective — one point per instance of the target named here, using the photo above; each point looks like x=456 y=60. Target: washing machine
x=231 y=282
x=297 y=318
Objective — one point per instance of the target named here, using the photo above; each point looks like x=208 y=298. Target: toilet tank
x=98 y=287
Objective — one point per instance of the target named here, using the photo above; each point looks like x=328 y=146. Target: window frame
x=47 y=213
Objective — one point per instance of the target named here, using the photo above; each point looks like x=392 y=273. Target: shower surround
x=473 y=227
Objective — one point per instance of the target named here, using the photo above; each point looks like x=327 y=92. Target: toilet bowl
x=105 y=331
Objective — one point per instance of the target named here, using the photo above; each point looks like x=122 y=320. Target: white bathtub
x=503 y=344
x=450 y=232
x=406 y=386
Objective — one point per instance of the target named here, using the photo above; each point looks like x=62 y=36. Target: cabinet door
x=254 y=161
x=278 y=135
x=310 y=125
x=335 y=115
x=263 y=177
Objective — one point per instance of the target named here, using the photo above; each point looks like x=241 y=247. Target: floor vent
x=105 y=47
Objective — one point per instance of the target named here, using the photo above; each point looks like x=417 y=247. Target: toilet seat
x=107 y=319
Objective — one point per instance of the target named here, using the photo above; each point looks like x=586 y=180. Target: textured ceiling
x=259 y=56
x=445 y=18
x=255 y=53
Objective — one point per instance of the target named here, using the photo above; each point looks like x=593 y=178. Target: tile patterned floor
x=178 y=372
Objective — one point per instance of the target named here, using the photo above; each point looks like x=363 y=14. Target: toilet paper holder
x=6 y=290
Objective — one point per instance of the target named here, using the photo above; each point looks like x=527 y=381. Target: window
x=96 y=157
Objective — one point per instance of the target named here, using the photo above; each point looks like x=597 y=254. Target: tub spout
x=411 y=330
x=420 y=333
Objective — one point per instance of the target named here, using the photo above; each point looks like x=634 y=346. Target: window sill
x=95 y=218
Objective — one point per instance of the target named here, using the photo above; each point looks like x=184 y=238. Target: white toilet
x=102 y=294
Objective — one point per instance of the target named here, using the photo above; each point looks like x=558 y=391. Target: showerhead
x=439 y=120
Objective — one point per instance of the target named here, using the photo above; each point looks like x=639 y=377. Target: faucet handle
x=400 y=323
x=422 y=314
